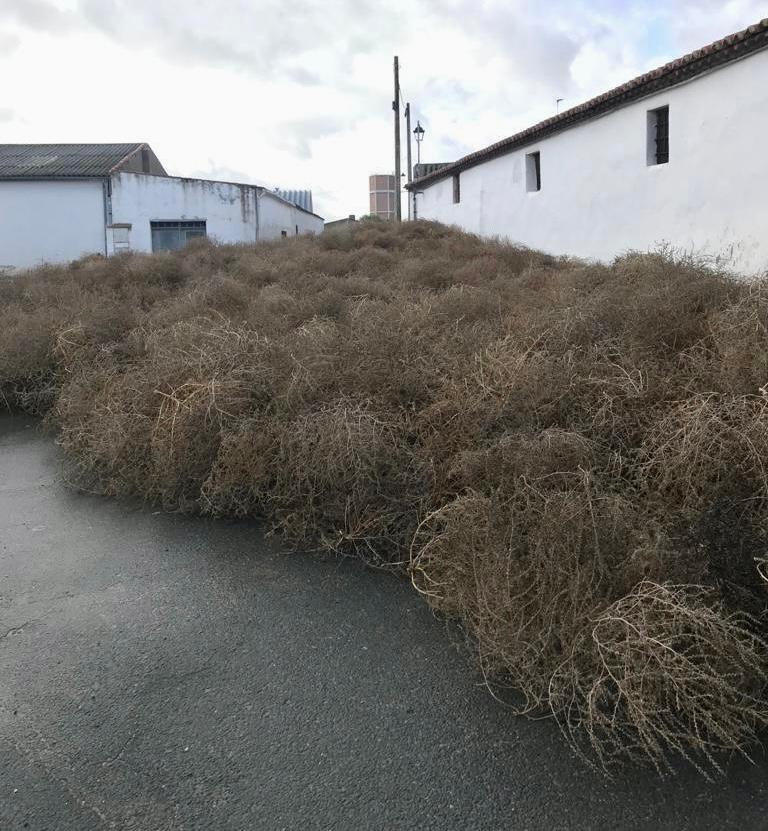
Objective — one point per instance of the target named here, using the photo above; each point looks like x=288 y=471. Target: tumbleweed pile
x=570 y=459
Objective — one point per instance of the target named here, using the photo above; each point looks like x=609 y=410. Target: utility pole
x=410 y=167
x=396 y=108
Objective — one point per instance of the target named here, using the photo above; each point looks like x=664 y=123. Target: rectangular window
x=175 y=234
x=658 y=136
x=533 y=172
x=283 y=233
x=121 y=237
x=456 y=189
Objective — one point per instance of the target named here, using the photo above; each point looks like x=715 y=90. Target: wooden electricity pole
x=408 y=146
x=396 y=108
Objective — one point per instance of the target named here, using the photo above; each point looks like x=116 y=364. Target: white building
x=676 y=156
x=59 y=202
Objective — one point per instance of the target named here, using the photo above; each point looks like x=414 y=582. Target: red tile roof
x=721 y=52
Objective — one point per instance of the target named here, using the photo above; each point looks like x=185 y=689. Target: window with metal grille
x=533 y=172
x=658 y=136
x=456 y=188
x=171 y=235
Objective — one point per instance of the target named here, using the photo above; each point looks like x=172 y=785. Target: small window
x=533 y=172
x=658 y=136
x=175 y=234
x=283 y=233
x=297 y=230
x=456 y=189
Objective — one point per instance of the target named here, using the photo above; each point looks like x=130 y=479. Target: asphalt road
x=164 y=672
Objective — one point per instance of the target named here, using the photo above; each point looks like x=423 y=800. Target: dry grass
x=664 y=667
x=567 y=458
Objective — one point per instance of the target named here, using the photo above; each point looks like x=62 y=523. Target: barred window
x=171 y=235
x=533 y=172
x=658 y=136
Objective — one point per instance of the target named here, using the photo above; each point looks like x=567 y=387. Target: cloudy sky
x=298 y=94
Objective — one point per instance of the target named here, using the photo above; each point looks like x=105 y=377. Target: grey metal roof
x=46 y=161
x=302 y=198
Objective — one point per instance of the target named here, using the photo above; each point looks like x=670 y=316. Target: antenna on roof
x=557 y=104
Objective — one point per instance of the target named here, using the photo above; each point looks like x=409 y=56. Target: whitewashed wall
x=229 y=210
x=54 y=221
x=276 y=215
x=599 y=197
x=58 y=221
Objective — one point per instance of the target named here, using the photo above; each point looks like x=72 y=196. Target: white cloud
x=8 y=43
x=299 y=95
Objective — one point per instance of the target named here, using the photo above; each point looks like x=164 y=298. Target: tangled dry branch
x=568 y=458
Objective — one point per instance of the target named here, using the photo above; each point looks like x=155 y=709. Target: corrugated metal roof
x=46 y=161
x=302 y=198
x=731 y=48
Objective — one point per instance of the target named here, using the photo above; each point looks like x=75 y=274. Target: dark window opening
x=144 y=160
x=172 y=235
x=283 y=233
x=658 y=136
x=297 y=230
x=533 y=172
x=456 y=189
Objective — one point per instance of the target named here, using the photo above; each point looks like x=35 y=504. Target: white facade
x=233 y=213
x=137 y=200
x=600 y=197
x=60 y=220
x=278 y=218
x=50 y=221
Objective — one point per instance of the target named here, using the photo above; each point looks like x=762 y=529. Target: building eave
x=720 y=53
x=60 y=178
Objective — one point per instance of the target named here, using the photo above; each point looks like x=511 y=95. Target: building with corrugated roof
x=302 y=198
x=674 y=157
x=59 y=202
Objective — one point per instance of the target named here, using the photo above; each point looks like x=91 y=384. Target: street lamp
x=418 y=132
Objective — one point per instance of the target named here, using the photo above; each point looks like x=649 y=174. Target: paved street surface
x=163 y=672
